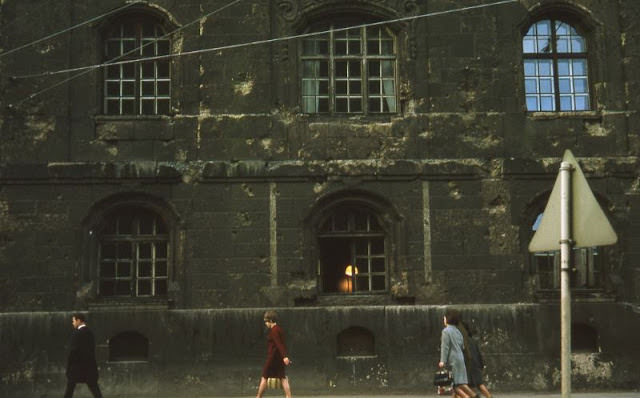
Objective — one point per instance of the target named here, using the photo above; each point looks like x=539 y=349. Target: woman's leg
x=484 y=390
x=468 y=390
x=286 y=387
x=458 y=391
x=262 y=387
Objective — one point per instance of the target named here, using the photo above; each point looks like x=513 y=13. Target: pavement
x=604 y=394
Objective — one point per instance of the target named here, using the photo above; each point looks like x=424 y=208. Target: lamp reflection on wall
x=346 y=284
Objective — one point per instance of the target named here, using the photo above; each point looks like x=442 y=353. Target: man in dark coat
x=81 y=365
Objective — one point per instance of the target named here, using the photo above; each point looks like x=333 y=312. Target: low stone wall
x=220 y=352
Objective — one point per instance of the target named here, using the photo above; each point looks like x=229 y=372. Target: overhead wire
x=257 y=42
x=113 y=61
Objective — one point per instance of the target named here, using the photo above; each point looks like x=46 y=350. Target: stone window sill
x=134 y=128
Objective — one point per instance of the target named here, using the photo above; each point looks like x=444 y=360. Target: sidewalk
x=606 y=394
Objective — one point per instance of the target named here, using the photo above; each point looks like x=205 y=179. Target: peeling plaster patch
x=596 y=130
x=42 y=127
x=244 y=218
x=247 y=189
x=454 y=191
x=319 y=187
x=300 y=284
x=588 y=366
x=191 y=174
x=46 y=49
x=181 y=155
x=244 y=87
x=201 y=27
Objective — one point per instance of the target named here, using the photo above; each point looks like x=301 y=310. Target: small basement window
x=128 y=346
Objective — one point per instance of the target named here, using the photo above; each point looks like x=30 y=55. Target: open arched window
x=133 y=253
x=353 y=257
x=349 y=70
x=136 y=87
x=555 y=67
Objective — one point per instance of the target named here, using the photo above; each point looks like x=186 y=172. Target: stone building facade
x=174 y=168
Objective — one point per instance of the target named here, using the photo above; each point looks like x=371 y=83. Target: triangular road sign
x=589 y=225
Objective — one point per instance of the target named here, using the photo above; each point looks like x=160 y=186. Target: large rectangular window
x=349 y=71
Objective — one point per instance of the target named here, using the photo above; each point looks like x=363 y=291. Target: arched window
x=586 y=266
x=356 y=341
x=133 y=254
x=555 y=67
x=349 y=71
x=128 y=346
x=353 y=257
x=136 y=88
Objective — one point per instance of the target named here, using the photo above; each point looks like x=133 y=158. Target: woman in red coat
x=277 y=357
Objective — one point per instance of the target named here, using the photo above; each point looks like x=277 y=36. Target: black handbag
x=442 y=378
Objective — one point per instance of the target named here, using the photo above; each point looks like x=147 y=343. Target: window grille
x=133 y=255
x=352 y=252
x=137 y=88
x=350 y=71
x=555 y=68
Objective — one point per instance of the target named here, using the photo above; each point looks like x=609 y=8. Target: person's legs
x=262 y=387
x=286 y=387
x=484 y=390
x=459 y=391
x=468 y=390
x=94 y=388
x=68 y=392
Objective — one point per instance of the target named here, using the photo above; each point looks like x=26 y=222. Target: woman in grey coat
x=451 y=354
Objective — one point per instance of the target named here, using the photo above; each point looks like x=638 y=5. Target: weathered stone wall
x=241 y=174
x=220 y=352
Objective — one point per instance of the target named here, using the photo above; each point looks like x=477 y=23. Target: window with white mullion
x=352 y=86
x=144 y=87
x=554 y=51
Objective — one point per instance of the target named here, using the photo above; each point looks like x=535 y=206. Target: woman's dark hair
x=271 y=316
x=453 y=316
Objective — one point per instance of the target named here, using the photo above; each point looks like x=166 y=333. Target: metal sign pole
x=565 y=291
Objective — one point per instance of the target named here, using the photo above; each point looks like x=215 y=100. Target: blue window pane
x=565 y=103
x=532 y=103
x=546 y=104
x=564 y=85
x=580 y=85
x=562 y=44
x=544 y=68
x=529 y=68
x=544 y=46
x=546 y=86
x=530 y=86
x=562 y=28
x=579 y=67
x=582 y=103
x=528 y=45
x=563 y=67
x=577 y=45
x=543 y=27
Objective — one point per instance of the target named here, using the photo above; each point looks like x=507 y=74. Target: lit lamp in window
x=346 y=285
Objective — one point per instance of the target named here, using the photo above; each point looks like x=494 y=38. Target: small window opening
x=128 y=346
x=584 y=338
x=356 y=341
